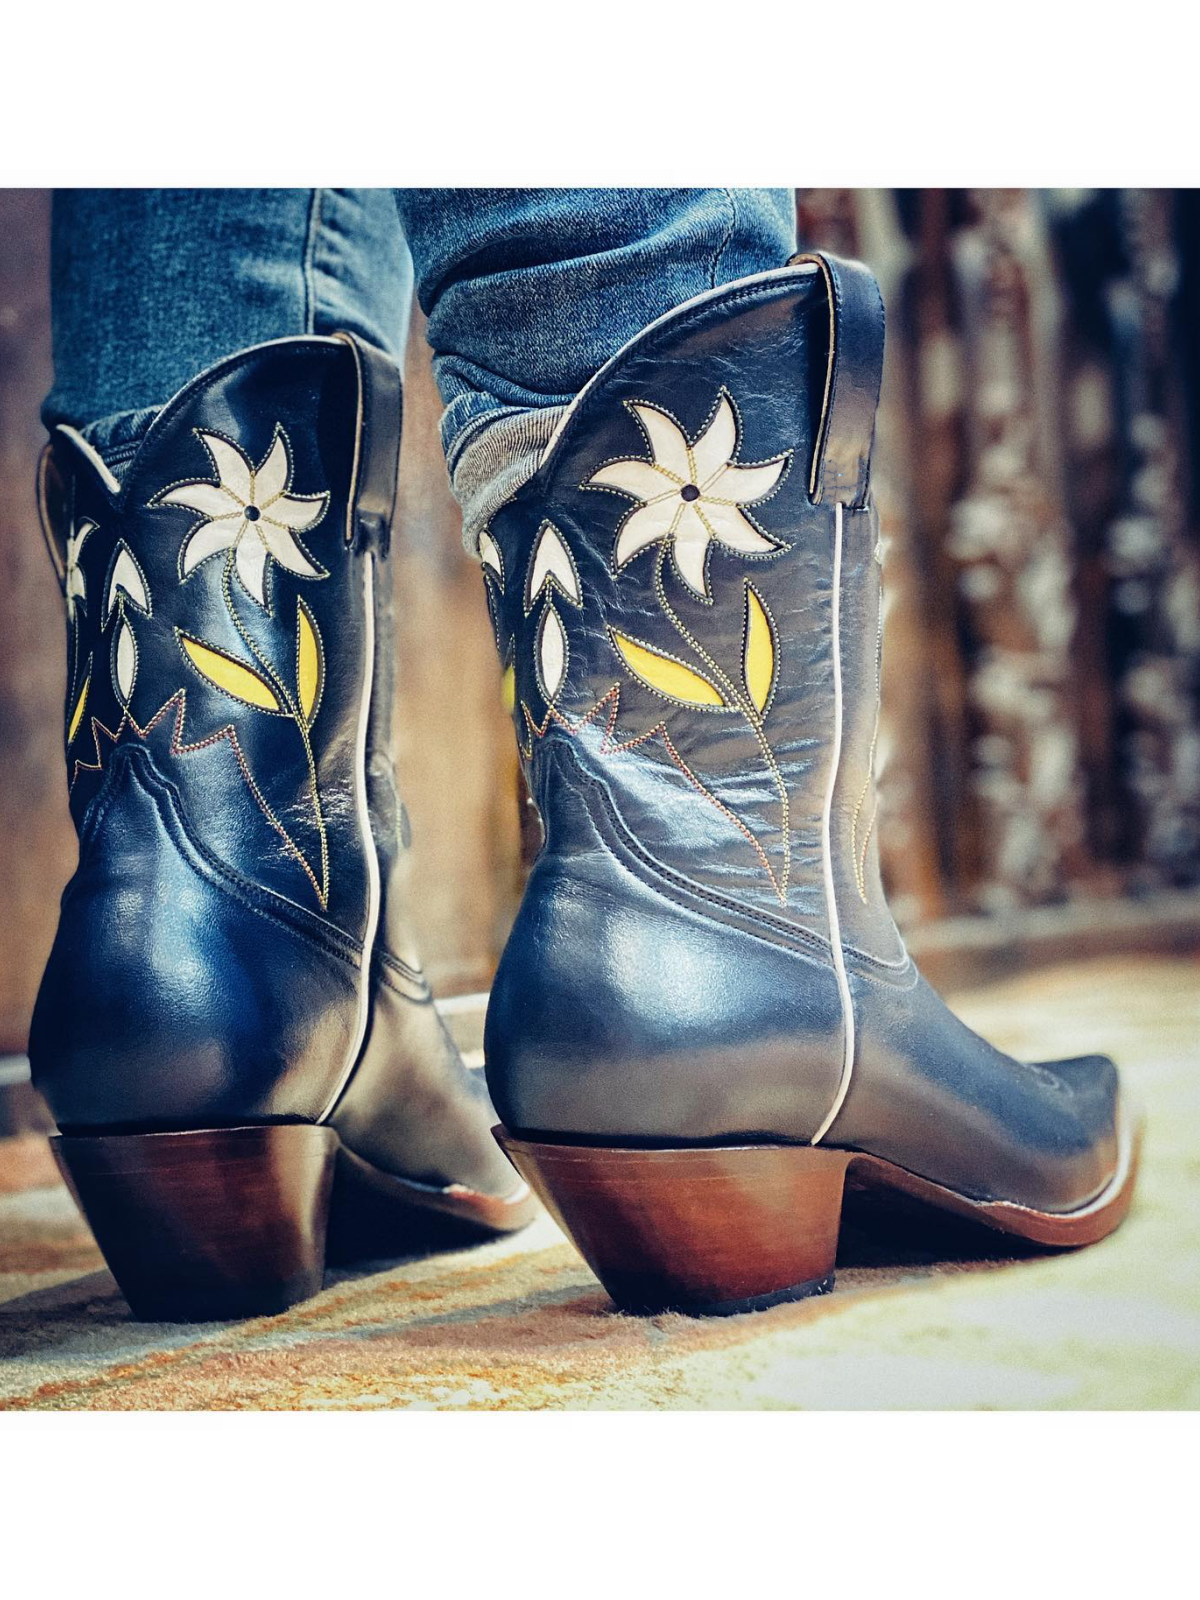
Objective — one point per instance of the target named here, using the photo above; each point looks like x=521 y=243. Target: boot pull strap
x=842 y=455
x=376 y=448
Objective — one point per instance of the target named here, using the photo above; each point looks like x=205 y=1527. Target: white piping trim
x=85 y=449
x=835 y=930
x=363 y=807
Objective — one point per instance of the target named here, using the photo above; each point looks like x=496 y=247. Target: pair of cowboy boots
x=704 y=1027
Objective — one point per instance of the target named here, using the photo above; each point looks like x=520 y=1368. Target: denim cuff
x=116 y=439
x=499 y=454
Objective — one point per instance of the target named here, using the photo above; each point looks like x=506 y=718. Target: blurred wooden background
x=1035 y=472
x=1041 y=739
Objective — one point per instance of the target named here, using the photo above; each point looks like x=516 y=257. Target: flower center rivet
x=252 y=513
x=689 y=492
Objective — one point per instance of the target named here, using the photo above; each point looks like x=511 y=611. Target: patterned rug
x=946 y=1322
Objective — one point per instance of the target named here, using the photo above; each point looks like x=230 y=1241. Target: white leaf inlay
x=126 y=575
x=489 y=554
x=552 y=561
x=552 y=653
x=125 y=658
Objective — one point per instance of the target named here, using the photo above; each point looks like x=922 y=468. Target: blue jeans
x=527 y=291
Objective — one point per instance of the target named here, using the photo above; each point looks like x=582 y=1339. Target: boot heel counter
x=172 y=997
x=625 y=1009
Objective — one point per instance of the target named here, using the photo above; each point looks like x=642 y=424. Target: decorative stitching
x=179 y=748
x=275 y=678
x=297 y=717
x=78 y=703
x=549 y=613
x=183 y=638
x=491 y=557
x=74 y=579
x=239 y=505
x=609 y=746
x=326 y=937
x=663 y=694
x=774 y=631
x=669 y=536
x=122 y=631
x=793 y=933
x=772 y=925
x=670 y=327
x=550 y=579
x=524 y=716
x=303 y=607
x=123 y=692
x=750 y=711
x=112 y=578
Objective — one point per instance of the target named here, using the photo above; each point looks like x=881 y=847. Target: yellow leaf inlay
x=669 y=677
x=308 y=661
x=77 y=714
x=234 y=677
x=508 y=689
x=760 y=651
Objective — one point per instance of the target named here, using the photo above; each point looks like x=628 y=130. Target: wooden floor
x=940 y=1322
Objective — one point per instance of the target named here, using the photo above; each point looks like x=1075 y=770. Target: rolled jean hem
x=116 y=438
x=495 y=460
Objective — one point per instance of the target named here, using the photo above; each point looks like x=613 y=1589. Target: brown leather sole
x=714 y=1231
x=239 y=1222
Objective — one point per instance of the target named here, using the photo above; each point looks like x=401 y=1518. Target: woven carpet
x=916 y=1321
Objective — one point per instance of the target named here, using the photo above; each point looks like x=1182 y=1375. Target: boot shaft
x=216 y=609
x=688 y=596
x=680 y=588
x=227 y=734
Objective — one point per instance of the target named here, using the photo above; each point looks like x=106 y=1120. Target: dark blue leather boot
x=705 y=1021
x=233 y=1030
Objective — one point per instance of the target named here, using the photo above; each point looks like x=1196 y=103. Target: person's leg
x=234 y=966
x=530 y=291
x=151 y=286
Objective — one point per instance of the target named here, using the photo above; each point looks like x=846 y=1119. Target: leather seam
x=416 y=980
x=764 y=920
x=630 y=846
x=160 y=791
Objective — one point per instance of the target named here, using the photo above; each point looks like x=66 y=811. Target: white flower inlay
x=250 y=511
x=74 y=583
x=691 y=493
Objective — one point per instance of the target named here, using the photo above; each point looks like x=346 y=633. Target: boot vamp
x=412 y=1109
x=931 y=1096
